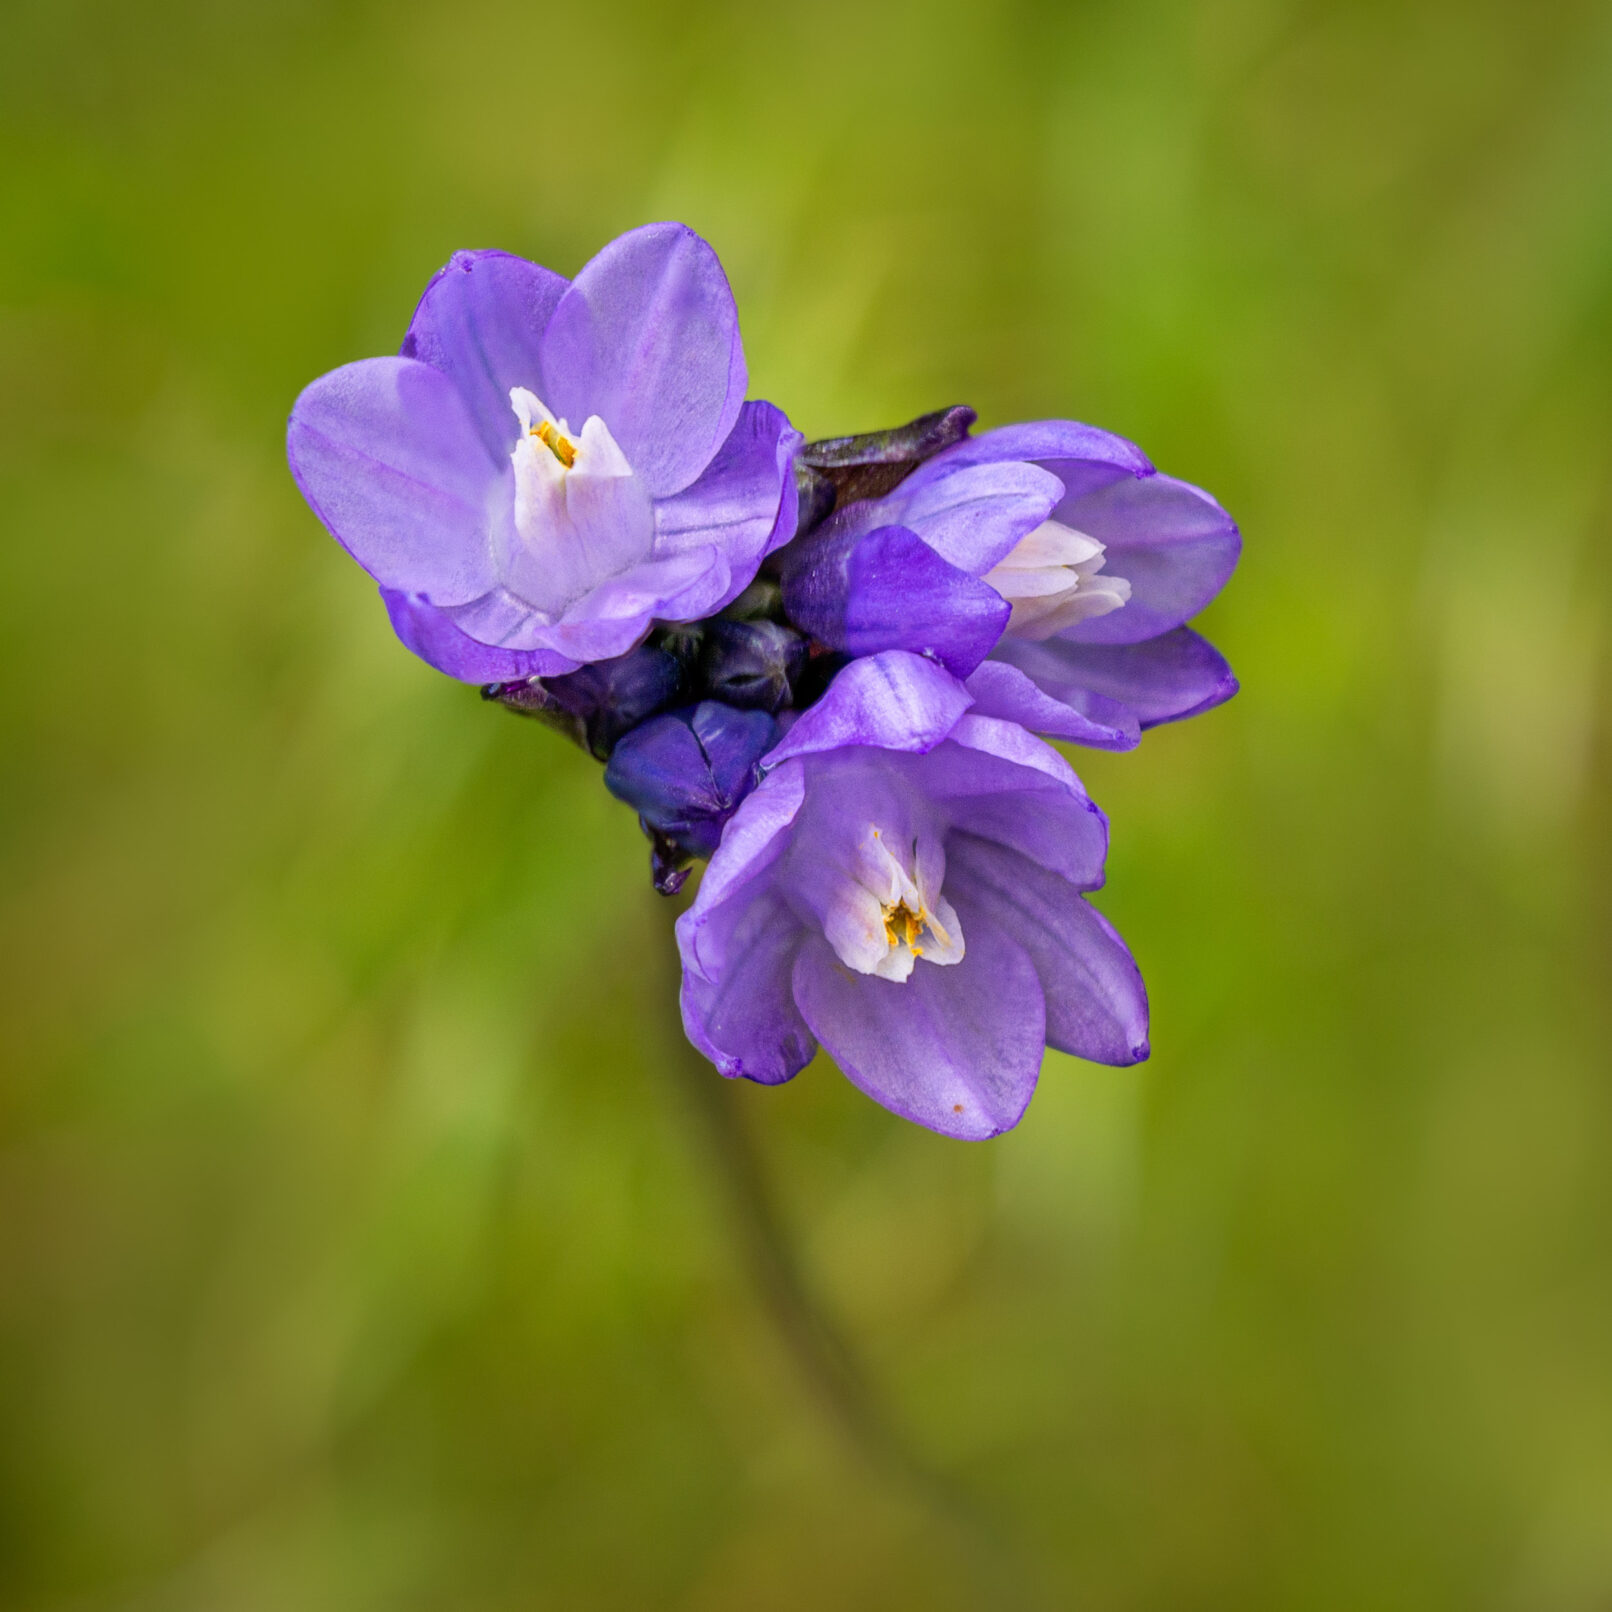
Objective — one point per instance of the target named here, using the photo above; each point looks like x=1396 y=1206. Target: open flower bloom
x=550 y=466
x=1056 y=548
x=904 y=888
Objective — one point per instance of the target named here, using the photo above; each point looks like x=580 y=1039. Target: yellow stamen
x=556 y=444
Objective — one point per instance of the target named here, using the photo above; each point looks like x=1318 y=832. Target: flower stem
x=824 y=1357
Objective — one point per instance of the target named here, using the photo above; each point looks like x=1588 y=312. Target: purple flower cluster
x=821 y=667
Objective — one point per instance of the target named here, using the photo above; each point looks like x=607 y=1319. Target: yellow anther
x=556 y=444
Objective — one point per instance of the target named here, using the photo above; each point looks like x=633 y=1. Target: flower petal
x=1088 y=456
x=434 y=637
x=890 y=590
x=972 y=515
x=957 y=1049
x=1096 y=1004
x=894 y=701
x=647 y=338
x=1170 y=540
x=1002 y=690
x=996 y=781
x=387 y=455
x=745 y=1019
x=481 y=323
x=1178 y=674
x=745 y=499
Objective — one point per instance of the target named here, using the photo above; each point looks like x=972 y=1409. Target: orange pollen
x=901 y=923
x=556 y=444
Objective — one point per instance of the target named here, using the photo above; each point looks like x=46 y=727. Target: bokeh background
x=357 y=1250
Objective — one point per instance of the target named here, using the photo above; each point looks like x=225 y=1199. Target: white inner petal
x=887 y=911
x=1054 y=578
x=581 y=514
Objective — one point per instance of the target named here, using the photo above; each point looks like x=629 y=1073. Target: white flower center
x=887 y=914
x=1054 y=578
x=581 y=514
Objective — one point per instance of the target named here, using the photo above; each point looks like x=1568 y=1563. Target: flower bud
x=597 y=704
x=685 y=774
x=874 y=463
x=752 y=664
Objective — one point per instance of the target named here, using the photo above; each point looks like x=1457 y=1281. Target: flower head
x=1055 y=547
x=904 y=888
x=551 y=466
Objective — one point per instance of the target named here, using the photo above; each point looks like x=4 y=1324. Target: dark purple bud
x=873 y=464
x=597 y=704
x=752 y=664
x=685 y=774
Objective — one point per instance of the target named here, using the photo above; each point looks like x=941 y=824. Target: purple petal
x=431 y=634
x=745 y=1019
x=891 y=590
x=1170 y=540
x=1090 y=457
x=998 y=782
x=971 y=515
x=745 y=500
x=481 y=323
x=387 y=455
x=1178 y=674
x=647 y=338
x=957 y=1049
x=756 y=836
x=894 y=701
x=1096 y=1003
x=1002 y=690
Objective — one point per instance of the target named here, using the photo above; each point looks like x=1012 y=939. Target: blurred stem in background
x=826 y=1359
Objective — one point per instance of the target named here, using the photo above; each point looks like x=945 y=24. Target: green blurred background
x=357 y=1250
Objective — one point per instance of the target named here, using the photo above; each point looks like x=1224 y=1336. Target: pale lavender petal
x=481 y=323
x=895 y=700
x=1178 y=674
x=995 y=780
x=745 y=500
x=1002 y=690
x=1170 y=540
x=1087 y=456
x=1095 y=1000
x=387 y=455
x=647 y=338
x=971 y=515
x=890 y=590
x=956 y=1049
x=755 y=838
x=745 y=1019
x=433 y=636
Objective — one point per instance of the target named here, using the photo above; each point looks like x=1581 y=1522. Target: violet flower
x=510 y=542
x=904 y=888
x=1058 y=549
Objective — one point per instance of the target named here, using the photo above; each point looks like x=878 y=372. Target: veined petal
x=1103 y=455
x=481 y=323
x=647 y=337
x=434 y=636
x=745 y=1019
x=1095 y=1001
x=1170 y=540
x=745 y=500
x=387 y=455
x=973 y=515
x=1002 y=690
x=1178 y=674
x=894 y=701
x=889 y=589
x=956 y=1049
